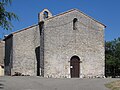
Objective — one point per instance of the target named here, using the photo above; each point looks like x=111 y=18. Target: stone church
x=67 y=45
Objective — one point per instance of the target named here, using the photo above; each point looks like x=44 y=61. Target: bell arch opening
x=45 y=14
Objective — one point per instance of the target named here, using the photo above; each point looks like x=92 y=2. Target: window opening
x=45 y=14
x=74 y=23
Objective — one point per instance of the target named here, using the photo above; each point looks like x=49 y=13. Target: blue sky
x=105 y=11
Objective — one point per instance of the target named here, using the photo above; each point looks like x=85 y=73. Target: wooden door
x=75 y=67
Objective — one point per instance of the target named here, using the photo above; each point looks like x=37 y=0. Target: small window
x=74 y=23
x=45 y=14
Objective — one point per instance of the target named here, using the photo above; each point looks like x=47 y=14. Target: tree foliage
x=112 y=57
x=5 y=16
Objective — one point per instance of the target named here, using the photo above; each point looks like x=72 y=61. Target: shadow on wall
x=37 y=52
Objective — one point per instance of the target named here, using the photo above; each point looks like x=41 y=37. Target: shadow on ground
x=1 y=85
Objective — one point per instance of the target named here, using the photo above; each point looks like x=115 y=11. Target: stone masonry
x=62 y=42
x=2 y=50
x=47 y=48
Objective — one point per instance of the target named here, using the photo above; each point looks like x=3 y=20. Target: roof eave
x=78 y=11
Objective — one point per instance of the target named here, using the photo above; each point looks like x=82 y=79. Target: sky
x=105 y=11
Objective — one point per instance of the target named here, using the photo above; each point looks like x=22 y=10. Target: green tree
x=112 y=57
x=5 y=16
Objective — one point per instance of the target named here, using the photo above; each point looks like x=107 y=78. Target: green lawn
x=113 y=85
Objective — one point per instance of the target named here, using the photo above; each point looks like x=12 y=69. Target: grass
x=115 y=85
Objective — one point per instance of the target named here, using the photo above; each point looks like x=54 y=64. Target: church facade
x=68 y=45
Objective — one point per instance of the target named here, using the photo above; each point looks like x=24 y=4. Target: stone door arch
x=75 y=67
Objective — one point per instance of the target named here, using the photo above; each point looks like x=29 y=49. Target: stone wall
x=61 y=42
x=2 y=57
x=8 y=54
x=26 y=45
x=2 y=51
x=48 y=53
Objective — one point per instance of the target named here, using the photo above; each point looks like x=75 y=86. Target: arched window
x=74 y=23
x=45 y=14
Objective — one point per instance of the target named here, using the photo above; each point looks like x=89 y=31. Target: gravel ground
x=38 y=83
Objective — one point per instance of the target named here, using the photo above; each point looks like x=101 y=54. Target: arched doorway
x=75 y=67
